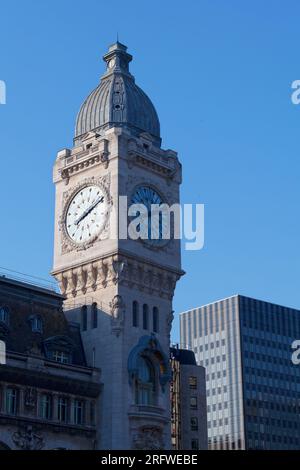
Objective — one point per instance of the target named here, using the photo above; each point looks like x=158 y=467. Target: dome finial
x=117 y=58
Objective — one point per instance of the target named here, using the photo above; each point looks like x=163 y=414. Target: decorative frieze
x=28 y=438
x=121 y=270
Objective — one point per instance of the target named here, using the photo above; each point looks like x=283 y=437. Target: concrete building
x=130 y=283
x=188 y=402
x=48 y=395
x=253 y=387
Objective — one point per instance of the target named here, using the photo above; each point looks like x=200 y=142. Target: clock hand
x=87 y=211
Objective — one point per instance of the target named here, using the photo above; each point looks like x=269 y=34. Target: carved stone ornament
x=28 y=439
x=169 y=321
x=117 y=307
x=67 y=243
x=30 y=397
x=121 y=270
x=148 y=438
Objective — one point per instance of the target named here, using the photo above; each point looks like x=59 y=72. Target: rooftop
x=237 y=296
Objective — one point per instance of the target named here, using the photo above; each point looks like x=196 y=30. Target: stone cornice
x=40 y=379
x=49 y=425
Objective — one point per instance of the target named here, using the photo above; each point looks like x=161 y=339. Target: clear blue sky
x=219 y=74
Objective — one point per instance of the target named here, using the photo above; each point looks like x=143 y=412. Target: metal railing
x=29 y=279
x=86 y=301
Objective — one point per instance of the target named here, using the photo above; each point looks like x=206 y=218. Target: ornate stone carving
x=86 y=158
x=28 y=439
x=30 y=397
x=169 y=321
x=118 y=269
x=148 y=438
x=117 y=307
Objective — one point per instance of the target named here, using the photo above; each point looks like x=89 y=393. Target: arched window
x=155 y=320
x=135 y=313
x=4 y=315
x=145 y=382
x=84 y=318
x=145 y=317
x=94 y=315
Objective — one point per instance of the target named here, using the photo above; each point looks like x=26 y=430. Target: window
x=145 y=317
x=135 y=313
x=194 y=424
x=193 y=403
x=145 y=382
x=36 y=324
x=194 y=444
x=94 y=315
x=92 y=413
x=62 y=411
x=61 y=356
x=84 y=318
x=155 y=319
x=4 y=315
x=193 y=382
x=45 y=406
x=11 y=401
x=78 y=412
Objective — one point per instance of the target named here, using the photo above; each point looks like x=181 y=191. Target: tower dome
x=117 y=100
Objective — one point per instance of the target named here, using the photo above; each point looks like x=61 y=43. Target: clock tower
x=119 y=288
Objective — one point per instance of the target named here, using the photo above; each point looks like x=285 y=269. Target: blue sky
x=219 y=74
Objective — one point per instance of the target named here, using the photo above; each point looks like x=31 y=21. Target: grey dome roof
x=117 y=100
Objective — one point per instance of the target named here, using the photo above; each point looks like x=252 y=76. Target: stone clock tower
x=119 y=289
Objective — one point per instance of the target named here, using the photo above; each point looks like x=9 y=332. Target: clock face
x=86 y=214
x=148 y=196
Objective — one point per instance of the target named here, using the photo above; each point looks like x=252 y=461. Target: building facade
x=253 y=387
x=129 y=282
x=48 y=395
x=188 y=402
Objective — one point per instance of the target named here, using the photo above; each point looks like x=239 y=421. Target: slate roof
x=26 y=300
x=117 y=100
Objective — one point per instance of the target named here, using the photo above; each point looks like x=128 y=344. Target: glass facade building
x=253 y=387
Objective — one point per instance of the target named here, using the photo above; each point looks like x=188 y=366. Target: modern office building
x=253 y=387
x=188 y=402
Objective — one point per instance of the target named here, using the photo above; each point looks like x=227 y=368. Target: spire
x=117 y=59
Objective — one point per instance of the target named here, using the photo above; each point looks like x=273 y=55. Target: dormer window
x=36 y=323
x=61 y=356
x=59 y=349
x=4 y=315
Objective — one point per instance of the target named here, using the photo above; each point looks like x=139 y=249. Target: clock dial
x=148 y=196
x=86 y=214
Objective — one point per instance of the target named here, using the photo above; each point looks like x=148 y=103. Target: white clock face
x=86 y=214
